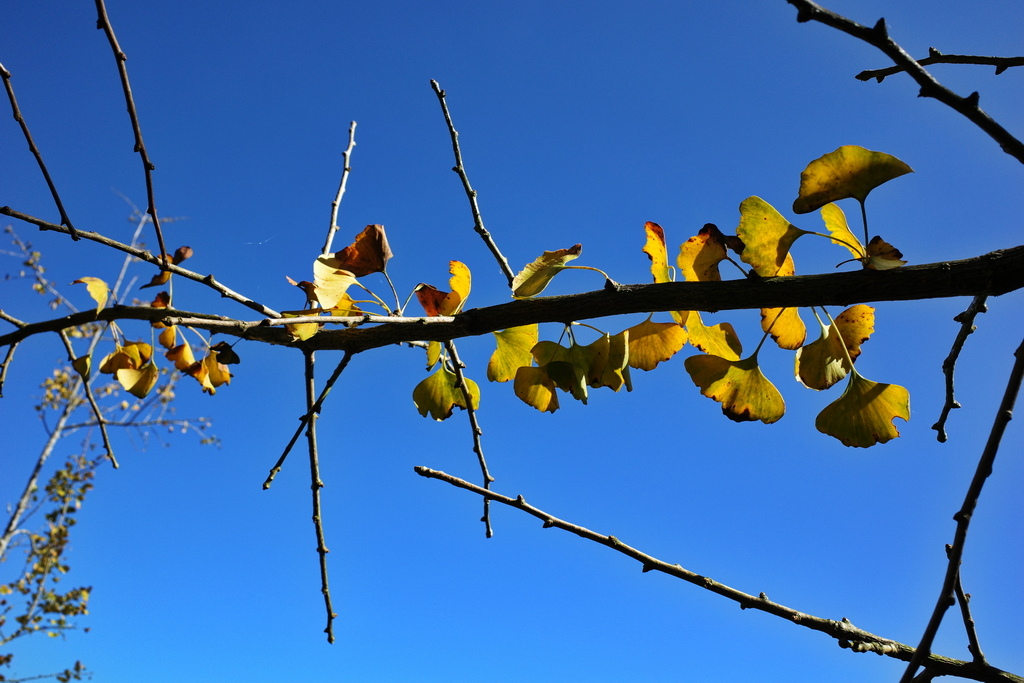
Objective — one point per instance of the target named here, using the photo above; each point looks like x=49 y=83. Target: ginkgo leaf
x=533 y=278
x=567 y=367
x=132 y=355
x=784 y=324
x=438 y=395
x=823 y=362
x=139 y=382
x=330 y=281
x=656 y=251
x=217 y=371
x=83 y=365
x=850 y=171
x=345 y=306
x=864 y=414
x=433 y=353
x=767 y=236
x=97 y=288
x=301 y=331
x=161 y=278
x=535 y=388
x=181 y=356
x=700 y=255
x=169 y=337
x=608 y=362
x=651 y=343
x=717 y=340
x=161 y=300
x=225 y=353
x=739 y=385
x=435 y=302
x=855 y=325
x=308 y=288
x=181 y=254
x=835 y=223
x=512 y=353
x=882 y=255
x=368 y=253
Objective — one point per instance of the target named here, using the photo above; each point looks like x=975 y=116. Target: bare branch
x=963 y=517
x=336 y=204
x=964 y=600
x=878 y=36
x=846 y=633
x=478 y=221
x=16 y=111
x=935 y=57
x=966 y=320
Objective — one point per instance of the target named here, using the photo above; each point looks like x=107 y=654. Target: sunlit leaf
x=330 y=281
x=435 y=302
x=855 y=325
x=767 y=236
x=139 y=382
x=433 y=353
x=132 y=355
x=217 y=371
x=161 y=300
x=169 y=337
x=658 y=253
x=739 y=385
x=82 y=365
x=651 y=343
x=882 y=255
x=850 y=171
x=345 y=306
x=532 y=279
x=566 y=366
x=438 y=395
x=97 y=288
x=368 y=253
x=784 y=324
x=535 y=388
x=835 y=222
x=513 y=352
x=700 y=255
x=161 y=278
x=181 y=356
x=864 y=414
x=608 y=361
x=823 y=362
x=301 y=331
x=717 y=340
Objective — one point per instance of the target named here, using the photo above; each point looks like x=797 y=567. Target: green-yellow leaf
x=513 y=352
x=608 y=362
x=835 y=222
x=567 y=367
x=822 y=363
x=767 y=236
x=864 y=414
x=855 y=325
x=717 y=340
x=784 y=324
x=534 y=388
x=82 y=365
x=657 y=252
x=850 y=171
x=532 y=279
x=651 y=343
x=433 y=353
x=97 y=288
x=739 y=385
x=438 y=395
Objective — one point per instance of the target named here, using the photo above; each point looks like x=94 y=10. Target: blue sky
x=579 y=122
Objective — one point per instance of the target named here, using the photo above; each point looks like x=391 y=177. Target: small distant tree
x=340 y=312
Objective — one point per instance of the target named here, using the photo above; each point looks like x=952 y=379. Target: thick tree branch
x=848 y=635
x=878 y=35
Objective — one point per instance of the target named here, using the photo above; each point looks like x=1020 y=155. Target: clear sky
x=579 y=122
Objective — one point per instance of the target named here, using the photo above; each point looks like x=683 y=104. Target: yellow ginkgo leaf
x=216 y=371
x=657 y=252
x=97 y=288
x=835 y=223
x=882 y=255
x=850 y=171
x=700 y=255
x=460 y=282
x=513 y=352
x=784 y=324
x=864 y=414
x=855 y=325
x=169 y=337
x=345 y=306
x=739 y=385
x=139 y=382
x=651 y=343
x=766 y=235
x=533 y=278
x=566 y=366
x=535 y=388
x=181 y=356
x=823 y=362
x=82 y=365
x=301 y=331
x=608 y=362
x=438 y=395
x=330 y=281
x=717 y=340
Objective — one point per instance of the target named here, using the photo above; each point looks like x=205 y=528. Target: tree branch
x=966 y=320
x=935 y=57
x=844 y=631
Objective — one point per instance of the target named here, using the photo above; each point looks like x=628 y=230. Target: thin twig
x=103 y=22
x=878 y=35
x=963 y=517
x=478 y=447
x=935 y=57
x=347 y=156
x=100 y=420
x=848 y=635
x=313 y=410
x=966 y=320
x=16 y=111
x=315 y=485
x=144 y=255
x=6 y=364
x=478 y=221
x=964 y=600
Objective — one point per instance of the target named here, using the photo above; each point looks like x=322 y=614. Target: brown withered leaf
x=368 y=253
x=180 y=254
